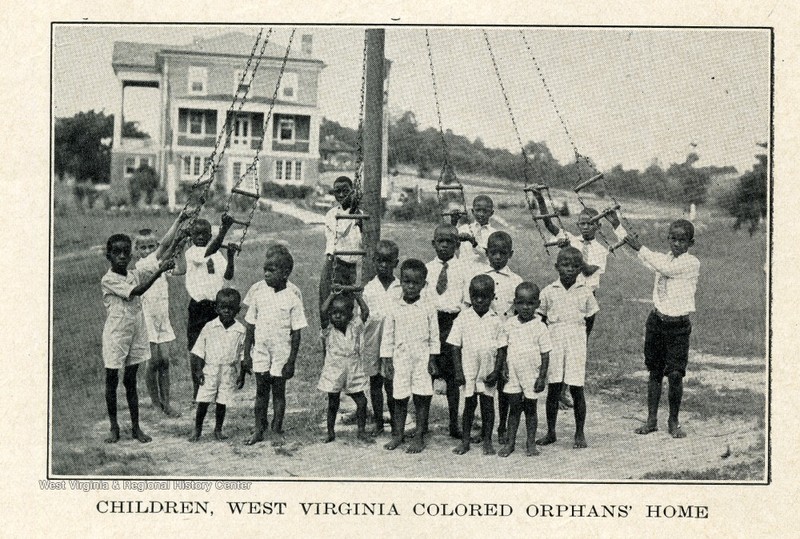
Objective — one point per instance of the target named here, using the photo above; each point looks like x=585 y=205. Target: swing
x=447 y=184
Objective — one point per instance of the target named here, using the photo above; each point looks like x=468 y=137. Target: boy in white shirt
x=220 y=350
x=567 y=306
x=343 y=370
x=475 y=338
x=275 y=317
x=125 y=341
x=527 y=352
x=204 y=278
x=383 y=290
x=409 y=347
x=666 y=341
x=155 y=304
x=475 y=235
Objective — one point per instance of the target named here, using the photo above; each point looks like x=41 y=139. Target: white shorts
x=475 y=372
x=125 y=342
x=269 y=358
x=343 y=375
x=522 y=377
x=568 y=358
x=371 y=347
x=219 y=384
x=159 y=328
x=411 y=373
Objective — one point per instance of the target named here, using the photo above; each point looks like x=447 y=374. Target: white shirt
x=563 y=306
x=345 y=345
x=526 y=342
x=219 y=345
x=275 y=315
x=200 y=282
x=158 y=293
x=342 y=234
x=505 y=284
x=475 y=255
x=675 y=282
x=479 y=337
x=458 y=277
x=378 y=298
x=413 y=326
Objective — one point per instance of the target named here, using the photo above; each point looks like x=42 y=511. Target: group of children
x=463 y=320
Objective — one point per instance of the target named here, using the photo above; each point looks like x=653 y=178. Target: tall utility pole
x=373 y=148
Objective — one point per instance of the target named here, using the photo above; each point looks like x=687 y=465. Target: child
x=499 y=249
x=409 y=346
x=275 y=317
x=528 y=347
x=204 y=278
x=666 y=341
x=125 y=343
x=475 y=339
x=567 y=306
x=340 y=235
x=155 y=304
x=344 y=368
x=379 y=293
x=474 y=236
x=219 y=350
x=448 y=279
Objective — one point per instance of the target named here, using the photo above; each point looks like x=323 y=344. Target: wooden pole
x=373 y=148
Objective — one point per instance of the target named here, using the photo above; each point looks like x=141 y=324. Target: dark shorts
x=200 y=314
x=445 y=360
x=666 y=344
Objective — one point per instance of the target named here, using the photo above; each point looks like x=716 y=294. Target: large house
x=196 y=86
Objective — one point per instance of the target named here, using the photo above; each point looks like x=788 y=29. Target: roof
x=144 y=55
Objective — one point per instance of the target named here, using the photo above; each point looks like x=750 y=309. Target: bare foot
x=258 y=436
x=547 y=439
x=502 y=437
x=647 y=428
x=580 y=442
x=141 y=436
x=394 y=443
x=328 y=438
x=113 y=437
x=675 y=430
x=170 y=412
x=461 y=448
x=488 y=448
x=279 y=440
x=506 y=450
x=365 y=438
x=531 y=450
x=194 y=436
x=219 y=435
x=416 y=445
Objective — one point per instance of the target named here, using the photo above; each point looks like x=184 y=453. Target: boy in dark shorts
x=666 y=341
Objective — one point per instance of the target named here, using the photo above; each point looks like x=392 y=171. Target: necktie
x=585 y=250
x=441 y=283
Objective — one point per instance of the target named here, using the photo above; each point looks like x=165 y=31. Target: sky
x=627 y=96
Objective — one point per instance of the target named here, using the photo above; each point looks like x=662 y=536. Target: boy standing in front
x=275 y=317
x=666 y=341
x=409 y=347
x=567 y=306
x=125 y=341
x=205 y=277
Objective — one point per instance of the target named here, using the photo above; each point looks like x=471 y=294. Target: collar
x=449 y=262
x=557 y=284
x=502 y=271
x=236 y=326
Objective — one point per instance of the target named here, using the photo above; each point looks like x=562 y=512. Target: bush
x=276 y=190
x=143 y=182
x=411 y=210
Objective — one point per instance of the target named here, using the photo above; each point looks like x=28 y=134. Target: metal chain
x=253 y=167
x=446 y=166
x=526 y=160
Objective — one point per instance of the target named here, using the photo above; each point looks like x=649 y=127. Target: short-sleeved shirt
x=675 y=282
x=205 y=275
x=458 y=275
x=158 y=293
x=505 y=284
x=567 y=306
x=475 y=255
x=526 y=342
x=479 y=337
x=125 y=340
x=275 y=315
x=342 y=234
x=219 y=345
x=378 y=298
x=594 y=254
x=117 y=290
x=343 y=370
x=411 y=325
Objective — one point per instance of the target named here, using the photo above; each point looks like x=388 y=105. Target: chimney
x=307 y=42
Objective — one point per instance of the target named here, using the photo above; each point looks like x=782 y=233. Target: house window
x=286 y=130
x=196 y=122
x=242 y=131
x=193 y=165
x=241 y=87
x=131 y=167
x=288 y=171
x=288 y=90
x=198 y=80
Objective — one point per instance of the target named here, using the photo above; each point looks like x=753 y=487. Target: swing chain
x=447 y=168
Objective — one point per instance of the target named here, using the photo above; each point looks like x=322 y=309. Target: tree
x=693 y=182
x=82 y=145
x=749 y=202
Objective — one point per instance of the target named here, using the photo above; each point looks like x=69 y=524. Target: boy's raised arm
x=230 y=267
x=548 y=223
x=170 y=236
x=216 y=243
x=363 y=306
x=143 y=287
